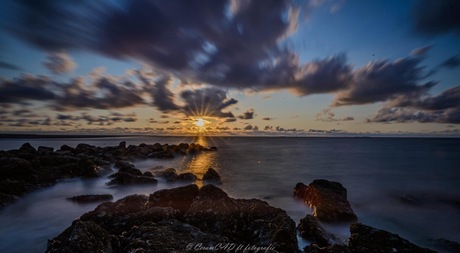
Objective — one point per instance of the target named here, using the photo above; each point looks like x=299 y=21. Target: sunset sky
x=230 y=67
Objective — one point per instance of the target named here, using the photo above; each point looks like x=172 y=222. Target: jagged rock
x=27 y=148
x=147 y=174
x=122 y=144
x=211 y=175
x=42 y=149
x=176 y=220
x=186 y=177
x=366 y=239
x=178 y=198
x=91 y=198
x=328 y=200
x=124 y=178
x=150 y=237
x=65 y=148
x=83 y=237
x=310 y=229
x=246 y=221
x=169 y=174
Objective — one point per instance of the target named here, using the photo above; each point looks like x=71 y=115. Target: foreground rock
x=186 y=216
x=27 y=169
x=212 y=176
x=366 y=239
x=310 y=230
x=91 y=198
x=328 y=200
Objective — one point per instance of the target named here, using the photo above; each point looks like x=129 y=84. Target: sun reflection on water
x=201 y=162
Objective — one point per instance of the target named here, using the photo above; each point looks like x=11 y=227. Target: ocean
x=377 y=172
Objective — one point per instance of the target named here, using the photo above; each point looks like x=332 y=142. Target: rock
x=366 y=239
x=122 y=144
x=91 y=198
x=123 y=166
x=89 y=168
x=445 y=245
x=65 y=148
x=147 y=174
x=186 y=177
x=42 y=149
x=211 y=175
x=6 y=199
x=178 y=220
x=83 y=237
x=27 y=148
x=244 y=221
x=169 y=174
x=124 y=178
x=299 y=191
x=310 y=229
x=328 y=200
x=178 y=198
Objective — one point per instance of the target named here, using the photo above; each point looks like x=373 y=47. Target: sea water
x=377 y=172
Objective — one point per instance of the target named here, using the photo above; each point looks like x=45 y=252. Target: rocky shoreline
x=188 y=218
x=27 y=169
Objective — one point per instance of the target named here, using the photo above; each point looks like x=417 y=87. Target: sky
x=235 y=67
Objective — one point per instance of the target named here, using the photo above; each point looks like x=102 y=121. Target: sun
x=200 y=122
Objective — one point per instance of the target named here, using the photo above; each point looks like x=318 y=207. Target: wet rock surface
x=212 y=176
x=310 y=230
x=89 y=198
x=27 y=169
x=328 y=199
x=186 y=216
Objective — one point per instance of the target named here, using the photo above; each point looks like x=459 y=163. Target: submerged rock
x=177 y=220
x=366 y=239
x=91 y=198
x=125 y=178
x=211 y=175
x=310 y=229
x=328 y=200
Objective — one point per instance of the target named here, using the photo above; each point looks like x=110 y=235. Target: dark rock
x=83 y=236
x=123 y=166
x=299 y=191
x=445 y=245
x=178 y=198
x=66 y=148
x=245 y=221
x=211 y=175
x=147 y=174
x=6 y=199
x=91 y=198
x=124 y=178
x=17 y=169
x=328 y=200
x=310 y=229
x=42 y=149
x=171 y=220
x=89 y=168
x=150 y=237
x=186 y=177
x=86 y=149
x=27 y=148
x=335 y=248
x=122 y=144
x=169 y=174
x=366 y=239
x=213 y=149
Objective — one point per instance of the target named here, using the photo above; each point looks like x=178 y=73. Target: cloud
x=444 y=108
x=452 y=62
x=207 y=102
x=326 y=115
x=267 y=118
x=436 y=17
x=6 y=65
x=59 y=63
x=100 y=120
x=26 y=87
x=421 y=51
x=249 y=114
x=383 y=80
x=248 y=127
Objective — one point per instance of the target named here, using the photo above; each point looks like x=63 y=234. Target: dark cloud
x=248 y=127
x=444 y=108
x=26 y=87
x=100 y=120
x=230 y=120
x=437 y=17
x=452 y=62
x=59 y=63
x=383 y=80
x=249 y=114
x=6 y=65
x=267 y=118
